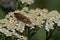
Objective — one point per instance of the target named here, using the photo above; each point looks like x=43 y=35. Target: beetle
x=21 y=17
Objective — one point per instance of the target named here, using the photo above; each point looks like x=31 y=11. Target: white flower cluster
x=51 y=18
x=37 y=17
x=9 y=24
x=27 y=1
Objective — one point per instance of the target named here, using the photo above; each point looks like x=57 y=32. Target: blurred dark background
x=48 y=4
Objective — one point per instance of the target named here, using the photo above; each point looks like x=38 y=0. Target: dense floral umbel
x=36 y=16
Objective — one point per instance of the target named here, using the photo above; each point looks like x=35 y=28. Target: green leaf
x=2 y=14
x=2 y=37
x=40 y=35
x=56 y=36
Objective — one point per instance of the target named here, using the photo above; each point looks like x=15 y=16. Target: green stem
x=47 y=35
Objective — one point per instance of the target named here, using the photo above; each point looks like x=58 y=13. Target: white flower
x=23 y=38
x=46 y=27
x=20 y=26
x=55 y=15
x=58 y=23
x=49 y=26
x=32 y=27
x=27 y=1
x=25 y=9
x=39 y=21
x=43 y=12
x=8 y=33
